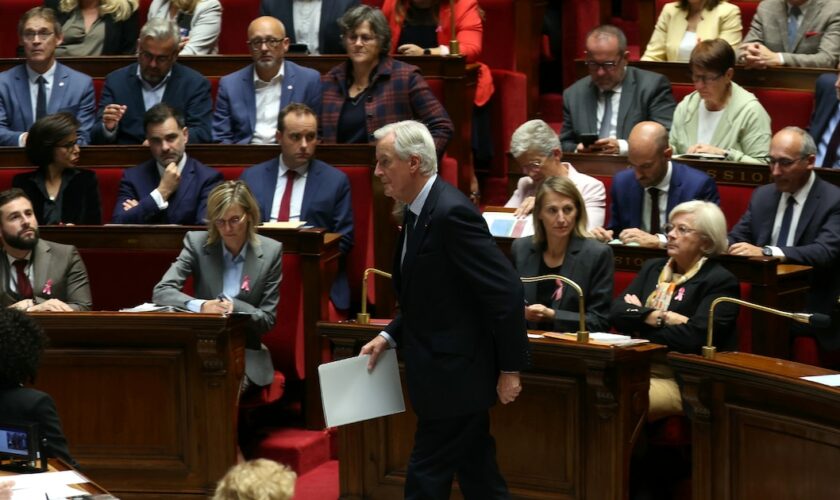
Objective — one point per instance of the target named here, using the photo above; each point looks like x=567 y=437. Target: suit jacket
x=236 y=103
x=71 y=91
x=397 y=92
x=644 y=96
x=722 y=21
x=589 y=263
x=461 y=318
x=329 y=33
x=712 y=281
x=326 y=203
x=188 y=205
x=825 y=105
x=627 y=194
x=80 y=202
x=59 y=273
x=816 y=242
x=817 y=42
x=187 y=91
x=120 y=36
x=263 y=266
x=23 y=405
x=205 y=25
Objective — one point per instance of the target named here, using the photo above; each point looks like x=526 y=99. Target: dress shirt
x=33 y=75
x=268 y=107
x=161 y=203
x=231 y=276
x=663 y=187
x=152 y=94
x=616 y=101
x=822 y=147
x=298 y=188
x=307 y=20
x=800 y=196
x=13 y=275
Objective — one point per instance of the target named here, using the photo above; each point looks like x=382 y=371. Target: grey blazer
x=263 y=264
x=817 y=43
x=589 y=263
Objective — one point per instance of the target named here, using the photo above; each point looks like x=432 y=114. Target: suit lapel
x=310 y=188
x=251 y=270
x=589 y=123
x=766 y=232
x=249 y=97
x=266 y=191
x=185 y=186
x=59 y=89
x=42 y=260
x=172 y=86
x=134 y=82
x=807 y=214
x=808 y=17
x=421 y=228
x=23 y=95
x=287 y=85
x=628 y=98
x=636 y=194
x=675 y=189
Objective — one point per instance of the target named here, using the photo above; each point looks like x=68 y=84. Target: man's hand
x=169 y=182
x=508 y=387
x=217 y=306
x=6 y=490
x=409 y=49
x=643 y=239
x=129 y=204
x=525 y=208
x=602 y=235
x=757 y=56
x=538 y=313
x=707 y=149
x=745 y=249
x=605 y=146
x=375 y=347
x=51 y=305
x=23 y=305
x=111 y=116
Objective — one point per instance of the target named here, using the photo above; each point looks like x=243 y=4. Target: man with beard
x=171 y=188
x=37 y=275
x=250 y=99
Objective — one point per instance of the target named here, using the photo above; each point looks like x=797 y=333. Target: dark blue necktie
x=607 y=119
x=408 y=225
x=41 y=101
x=781 y=241
x=793 y=28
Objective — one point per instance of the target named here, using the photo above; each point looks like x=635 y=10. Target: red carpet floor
x=321 y=483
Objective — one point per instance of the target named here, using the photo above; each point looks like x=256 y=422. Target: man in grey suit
x=793 y=33
x=609 y=102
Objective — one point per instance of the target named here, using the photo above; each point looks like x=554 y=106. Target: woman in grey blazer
x=561 y=245
x=235 y=270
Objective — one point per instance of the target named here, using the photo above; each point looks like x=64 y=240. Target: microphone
x=582 y=333
x=363 y=318
x=817 y=320
x=454 y=45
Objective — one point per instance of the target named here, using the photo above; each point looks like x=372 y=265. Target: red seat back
x=786 y=107
x=361 y=256
x=734 y=200
x=236 y=16
x=12 y=10
x=285 y=340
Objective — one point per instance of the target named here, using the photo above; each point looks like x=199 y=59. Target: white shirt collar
x=48 y=74
x=276 y=79
x=416 y=206
x=665 y=183
x=802 y=195
x=148 y=86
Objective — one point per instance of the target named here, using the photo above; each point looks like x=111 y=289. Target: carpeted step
x=300 y=449
x=321 y=483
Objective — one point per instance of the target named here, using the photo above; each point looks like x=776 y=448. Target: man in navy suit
x=318 y=30
x=24 y=98
x=319 y=195
x=796 y=219
x=461 y=324
x=171 y=188
x=249 y=100
x=643 y=197
x=156 y=77
x=825 y=120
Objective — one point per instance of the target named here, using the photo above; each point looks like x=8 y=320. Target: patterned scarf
x=661 y=296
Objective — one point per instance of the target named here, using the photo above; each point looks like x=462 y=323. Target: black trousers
x=460 y=446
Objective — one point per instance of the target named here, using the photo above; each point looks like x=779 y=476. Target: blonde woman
x=96 y=27
x=200 y=22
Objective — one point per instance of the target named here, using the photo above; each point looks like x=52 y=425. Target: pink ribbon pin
x=680 y=294
x=246 y=283
x=47 y=288
x=558 y=294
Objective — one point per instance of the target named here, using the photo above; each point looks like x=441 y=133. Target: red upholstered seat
x=264 y=395
x=680 y=90
x=285 y=340
x=734 y=200
x=361 y=256
x=786 y=107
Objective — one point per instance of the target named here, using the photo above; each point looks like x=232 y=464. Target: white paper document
x=351 y=394
x=505 y=224
x=830 y=380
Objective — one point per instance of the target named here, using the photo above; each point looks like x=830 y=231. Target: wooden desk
x=57 y=465
x=569 y=435
x=148 y=402
x=758 y=430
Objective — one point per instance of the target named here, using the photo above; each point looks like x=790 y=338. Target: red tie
x=286 y=200
x=24 y=288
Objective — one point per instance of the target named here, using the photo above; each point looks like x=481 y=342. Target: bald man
x=643 y=196
x=250 y=100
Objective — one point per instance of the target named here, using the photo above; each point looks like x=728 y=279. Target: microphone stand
x=582 y=333
x=363 y=318
x=454 y=47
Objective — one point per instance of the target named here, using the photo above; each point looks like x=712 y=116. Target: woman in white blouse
x=200 y=22
x=684 y=23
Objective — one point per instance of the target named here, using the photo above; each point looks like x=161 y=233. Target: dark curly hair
x=21 y=343
x=46 y=134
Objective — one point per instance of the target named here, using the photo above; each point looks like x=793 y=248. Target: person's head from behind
x=259 y=479
x=268 y=43
x=405 y=158
x=366 y=33
x=157 y=49
x=53 y=140
x=39 y=33
x=649 y=152
x=297 y=134
x=712 y=65
x=792 y=157
x=695 y=229
x=232 y=215
x=559 y=212
x=606 y=56
x=536 y=149
x=167 y=133
x=21 y=343
x=18 y=225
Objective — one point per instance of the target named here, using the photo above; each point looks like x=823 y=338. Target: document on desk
x=829 y=380
x=350 y=393
x=53 y=485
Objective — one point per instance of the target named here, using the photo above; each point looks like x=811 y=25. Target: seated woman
x=200 y=22
x=720 y=117
x=235 y=270
x=21 y=343
x=561 y=245
x=668 y=301
x=372 y=89
x=60 y=193
x=96 y=27
x=683 y=23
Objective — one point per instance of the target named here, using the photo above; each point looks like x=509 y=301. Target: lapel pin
x=289 y=87
x=60 y=84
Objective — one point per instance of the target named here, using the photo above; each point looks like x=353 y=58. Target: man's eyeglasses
x=532 y=166
x=272 y=43
x=354 y=38
x=704 y=79
x=232 y=222
x=161 y=59
x=606 y=66
x=682 y=229
x=30 y=36
x=782 y=162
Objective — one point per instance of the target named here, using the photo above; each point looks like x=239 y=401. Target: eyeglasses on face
x=232 y=222
x=535 y=164
x=30 y=35
x=159 y=59
x=606 y=66
x=704 y=79
x=782 y=162
x=354 y=38
x=272 y=43
x=681 y=229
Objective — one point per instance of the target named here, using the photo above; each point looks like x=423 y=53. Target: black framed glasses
x=30 y=35
x=272 y=43
x=782 y=162
x=681 y=229
x=704 y=79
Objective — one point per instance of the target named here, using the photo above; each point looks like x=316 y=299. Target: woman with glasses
x=234 y=270
x=371 y=89
x=60 y=192
x=668 y=301
x=719 y=118
x=561 y=245
x=199 y=22
x=96 y=27
x=683 y=23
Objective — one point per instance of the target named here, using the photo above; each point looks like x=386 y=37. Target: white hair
x=160 y=29
x=709 y=221
x=412 y=138
x=533 y=135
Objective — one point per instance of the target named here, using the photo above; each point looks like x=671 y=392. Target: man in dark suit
x=797 y=219
x=613 y=98
x=643 y=197
x=825 y=120
x=300 y=22
x=37 y=275
x=24 y=97
x=171 y=188
x=156 y=77
x=319 y=194
x=250 y=99
x=461 y=325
